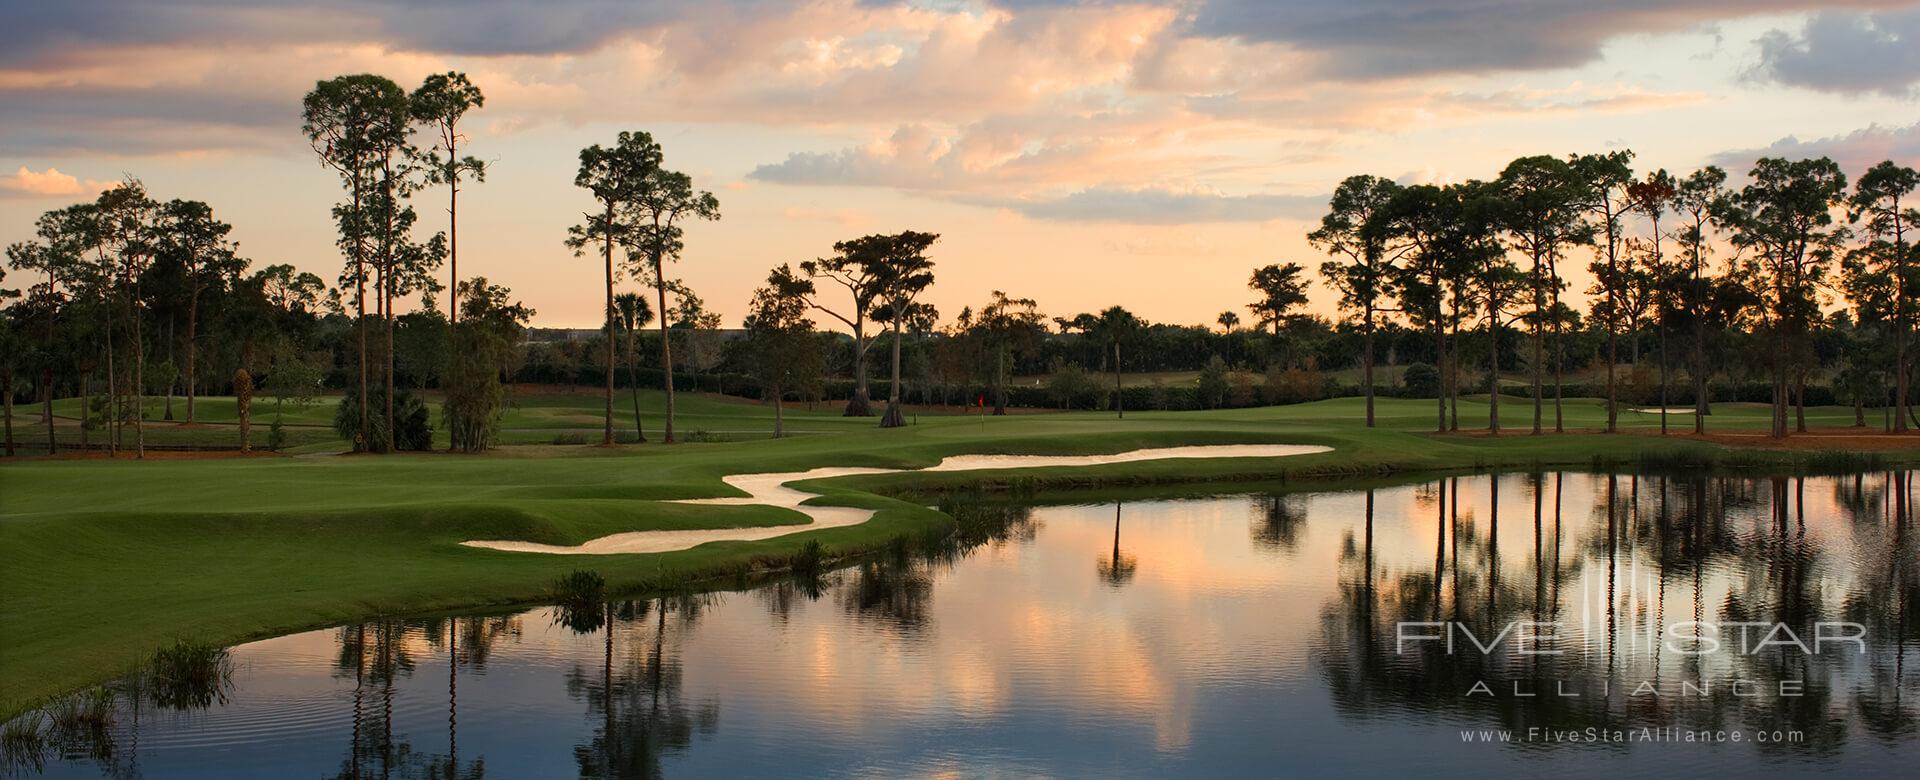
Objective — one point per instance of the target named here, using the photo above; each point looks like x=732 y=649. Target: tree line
x=130 y=296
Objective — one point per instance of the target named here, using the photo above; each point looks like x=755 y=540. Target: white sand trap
x=771 y=490
x=1670 y=410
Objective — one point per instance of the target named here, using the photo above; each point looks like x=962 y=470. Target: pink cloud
x=50 y=183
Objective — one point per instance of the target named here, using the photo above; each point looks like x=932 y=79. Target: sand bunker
x=1670 y=410
x=772 y=490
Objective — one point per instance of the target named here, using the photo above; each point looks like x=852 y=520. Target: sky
x=1084 y=154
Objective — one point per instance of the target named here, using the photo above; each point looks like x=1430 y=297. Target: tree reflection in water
x=1117 y=569
x=1728 y=550
x=381 y=654
x=1276 y=521
x=1614 y=561
x=637 y=698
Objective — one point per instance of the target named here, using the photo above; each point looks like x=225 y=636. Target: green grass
x=109 y=561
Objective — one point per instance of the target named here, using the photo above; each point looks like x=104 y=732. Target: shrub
x=1421 y=380
x=1240 y=384
x=580 y=598
x=412 y=431
x=189 y=676
x=1294 y=385
x=1071 y=387
x=809 y=561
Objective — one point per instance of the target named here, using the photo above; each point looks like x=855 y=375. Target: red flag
x=983 y=402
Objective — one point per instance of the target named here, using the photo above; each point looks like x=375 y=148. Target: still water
x=1295 y=635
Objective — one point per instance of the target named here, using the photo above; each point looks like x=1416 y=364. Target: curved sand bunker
x=772 y=490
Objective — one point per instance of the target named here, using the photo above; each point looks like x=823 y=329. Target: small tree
x=1281 y=289
x=1212 y=383
x=491 y=323
x=780 y=338
x=1007 y=326
x=295 y=379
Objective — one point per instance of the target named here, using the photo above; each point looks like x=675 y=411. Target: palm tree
x=1113 y=326
x=1228 y=321
x=634 y=313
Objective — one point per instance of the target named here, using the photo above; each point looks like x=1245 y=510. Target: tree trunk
x=360 y=442
x=1493 y=366
x=1559 y=350
x=86 y=410
x=1539 y=306
x=172 y=344
x=1663 y=379
x=1901 y=325
x=112 y=413
x=606 y=251
x=779 y=418
x=666 y=345
x=1700 y=406
x=1452 y=374
x=633 y=388
x=6 y=398
x=1613 y=328
x=387 y=311
x=139 y=378
x=46 y=407
x=859 y=404
x=243 y=403
x=453 y=247
x=1800 y=402
x=1000 y=382
x=893 y=417
x=1366 y=359
x=1780 y=401
x=1440 y=364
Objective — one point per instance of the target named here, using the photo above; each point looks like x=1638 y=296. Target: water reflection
x=1117 y=569
x=1266 y=633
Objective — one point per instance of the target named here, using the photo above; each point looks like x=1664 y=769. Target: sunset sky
x=1080 y=153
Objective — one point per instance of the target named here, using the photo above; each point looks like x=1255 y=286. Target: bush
x=1294 y=385
x=1073 y=388
x=1240 y=384
x=1421 y=380
x=276 y=435
x=412 y=431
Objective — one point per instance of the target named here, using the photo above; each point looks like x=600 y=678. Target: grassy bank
x=107 y=561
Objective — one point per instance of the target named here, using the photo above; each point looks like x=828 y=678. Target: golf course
x=111 y=560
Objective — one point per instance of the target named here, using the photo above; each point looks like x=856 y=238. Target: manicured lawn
x=105 y=561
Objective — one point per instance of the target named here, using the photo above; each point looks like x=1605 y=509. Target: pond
x=1503 y=625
